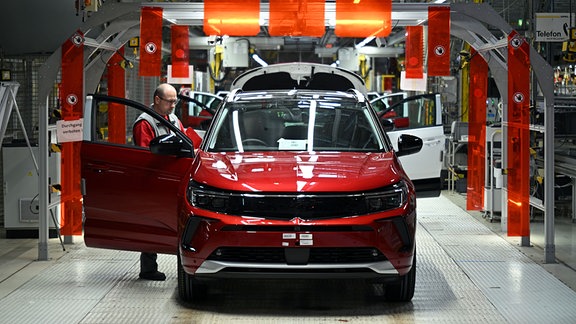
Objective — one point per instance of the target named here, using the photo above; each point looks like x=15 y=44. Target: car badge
x=297 y=220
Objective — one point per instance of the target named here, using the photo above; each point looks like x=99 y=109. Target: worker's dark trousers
x=148 y=262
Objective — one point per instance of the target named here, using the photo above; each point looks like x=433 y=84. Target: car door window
x=113 y=123
x=420 y=112
x=381 y=103
x=410 y=113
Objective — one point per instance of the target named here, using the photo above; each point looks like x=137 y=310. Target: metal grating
x=139 y=88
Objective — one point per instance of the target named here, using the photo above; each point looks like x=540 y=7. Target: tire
x=189 y=289
x=403 y=289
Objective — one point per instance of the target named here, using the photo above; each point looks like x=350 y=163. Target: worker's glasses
x=172 y=102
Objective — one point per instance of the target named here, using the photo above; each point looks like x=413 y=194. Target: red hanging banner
x=363 y=18
x=296 y=18
x=71 y=100
x=477 y=132
x=518 y=162
x=439 y=41
x=414 y=52
x=231 y=17
x=180 y=51
x=116 y=88
x=150 y=41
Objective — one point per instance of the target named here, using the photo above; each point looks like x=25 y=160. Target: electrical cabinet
x=236 y=54
x=21 y=206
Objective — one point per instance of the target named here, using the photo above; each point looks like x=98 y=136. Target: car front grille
x=304 y=206
x=270 y=255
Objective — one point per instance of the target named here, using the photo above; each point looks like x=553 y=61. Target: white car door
x=420 y=116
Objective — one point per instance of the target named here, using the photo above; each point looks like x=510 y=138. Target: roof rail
x=232 y=94
x=359 y=96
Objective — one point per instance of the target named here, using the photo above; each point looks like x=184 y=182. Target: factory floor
x=468 y=272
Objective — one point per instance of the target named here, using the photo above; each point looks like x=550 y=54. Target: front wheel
x=403 y=289
x=189 y=289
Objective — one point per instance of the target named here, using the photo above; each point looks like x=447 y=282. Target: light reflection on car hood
x=293 y=171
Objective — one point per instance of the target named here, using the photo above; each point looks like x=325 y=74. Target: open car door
x=420 y=116
x=130 y=194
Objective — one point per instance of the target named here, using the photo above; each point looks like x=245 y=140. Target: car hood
x=299 y=75
x=297 y=172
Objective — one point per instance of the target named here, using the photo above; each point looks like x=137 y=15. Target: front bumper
x=219 y=269
x=360 y=247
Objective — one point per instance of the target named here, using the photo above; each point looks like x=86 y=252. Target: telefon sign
x=552 y=27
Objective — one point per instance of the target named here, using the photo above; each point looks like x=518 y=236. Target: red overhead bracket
x=297 y=18
x=414 y=52
x=180 y=51
x=232 y=17
x=363 y=18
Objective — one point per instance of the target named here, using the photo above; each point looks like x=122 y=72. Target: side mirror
x=169 y=144
x=408 y=144
x=387 y=124
x=395 y=123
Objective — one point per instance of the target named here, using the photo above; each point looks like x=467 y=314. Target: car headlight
x=390 y=198
x=204 y=198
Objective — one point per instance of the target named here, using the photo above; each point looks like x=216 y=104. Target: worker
x=144 y=130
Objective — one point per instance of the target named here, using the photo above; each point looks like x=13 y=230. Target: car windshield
x=295 y=121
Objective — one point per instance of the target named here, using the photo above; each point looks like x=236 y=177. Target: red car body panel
x=123 y=189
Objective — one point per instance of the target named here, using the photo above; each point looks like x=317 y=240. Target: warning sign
x=69 y=130
x=151 y=47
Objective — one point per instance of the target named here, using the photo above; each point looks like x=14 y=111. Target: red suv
x=295 y=178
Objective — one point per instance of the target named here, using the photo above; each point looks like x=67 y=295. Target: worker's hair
x=161 y=90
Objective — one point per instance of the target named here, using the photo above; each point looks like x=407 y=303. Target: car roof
x=299 y=75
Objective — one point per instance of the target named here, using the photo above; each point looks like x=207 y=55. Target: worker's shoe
x=156 y=276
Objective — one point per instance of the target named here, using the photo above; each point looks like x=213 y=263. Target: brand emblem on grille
x=297 y=220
